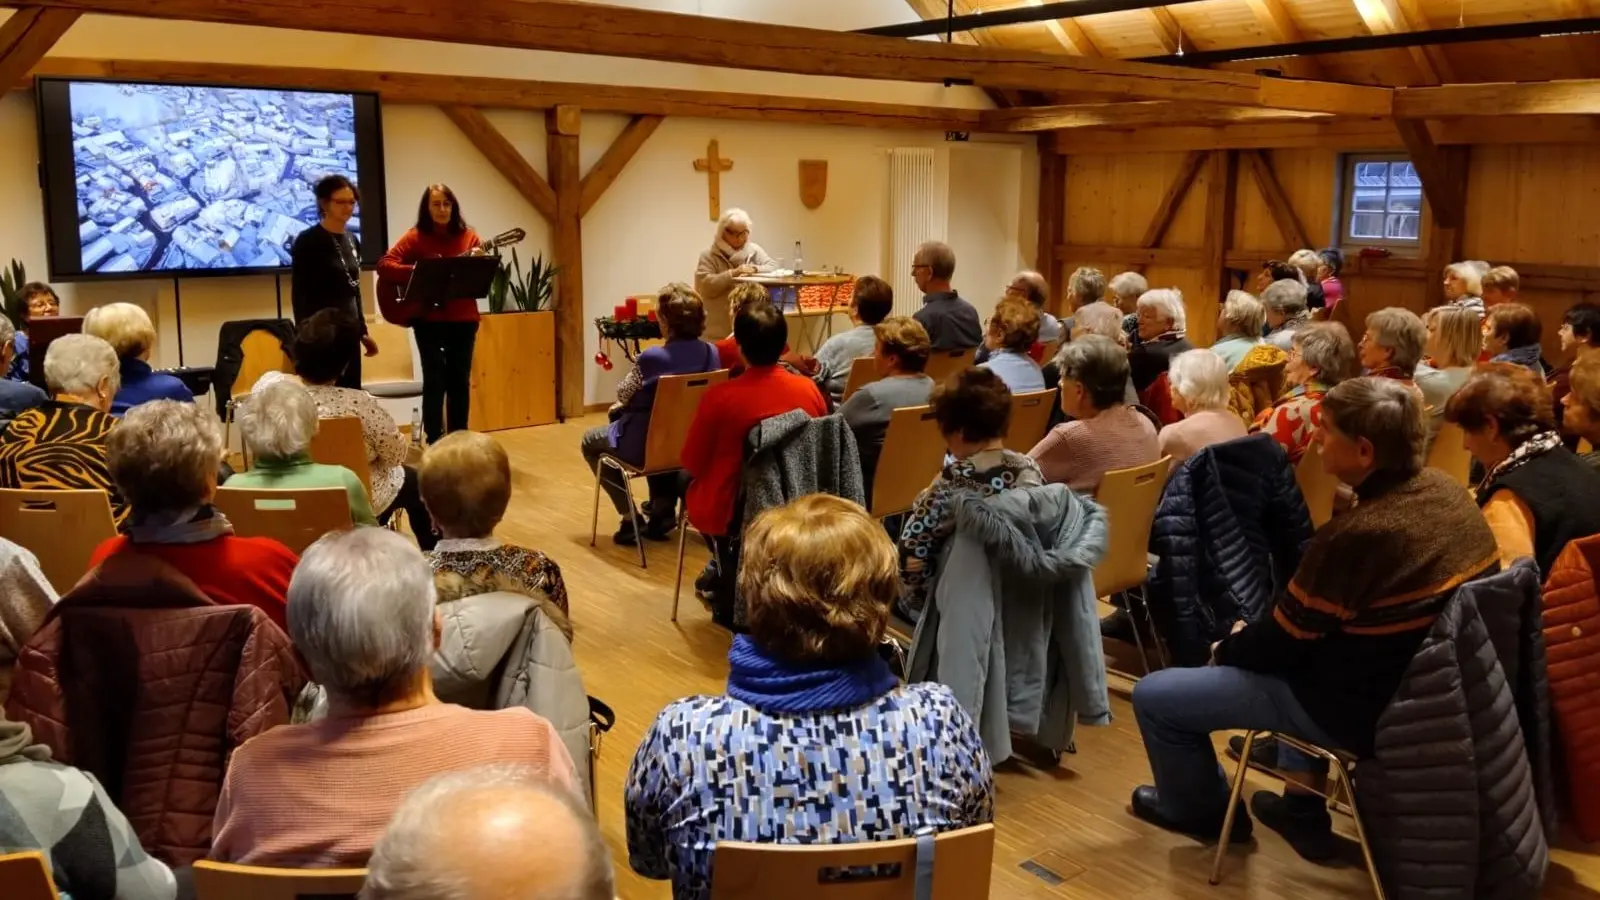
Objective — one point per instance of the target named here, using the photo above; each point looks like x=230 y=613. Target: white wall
x=653 y=222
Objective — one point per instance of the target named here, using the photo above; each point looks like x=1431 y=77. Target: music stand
x=436 y=281
x=42 y=332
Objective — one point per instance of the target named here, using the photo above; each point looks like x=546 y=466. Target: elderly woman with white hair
x=15 y=396
x=1463 y=284
x=1161 y=325
x=1240 y=324
x=129 y=331
x=1199 y=391
x=61 y=445
x=1286 y=310
x=163 y=459
x=318 y=795
x=732 y=255
x=1125 y=290
x=278 y=423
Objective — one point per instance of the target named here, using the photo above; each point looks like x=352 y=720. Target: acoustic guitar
x=392 y=302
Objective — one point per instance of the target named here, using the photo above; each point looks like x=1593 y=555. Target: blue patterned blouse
x=716 y=768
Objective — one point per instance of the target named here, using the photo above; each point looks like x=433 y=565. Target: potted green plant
x=514 y=366
x=11 y=282
x=534 y=290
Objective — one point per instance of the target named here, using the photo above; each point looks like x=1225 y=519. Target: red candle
x=633 y=307
x=620 y=313
x=652 y=315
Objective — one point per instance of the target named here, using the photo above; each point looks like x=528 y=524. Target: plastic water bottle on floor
x=416 y=427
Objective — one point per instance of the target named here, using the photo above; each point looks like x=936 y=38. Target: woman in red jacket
x=445 y=334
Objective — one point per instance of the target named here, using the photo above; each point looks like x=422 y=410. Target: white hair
x=1168 y=302
x=1201 y=376
x=1285 y=297
x=1307 y=261
x=1129 y=287
x=361 y=607
x=733 y=216
x=1100 y=318
x=8 y=331
x=1471 y=272
x=279 y=420
x=77 y=363
x=125 y=326
x=413 y=859
x=1243 y=313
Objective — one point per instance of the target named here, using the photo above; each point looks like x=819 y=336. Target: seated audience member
x=1012 y=331
x=819 y=577
x=1536 y=494
x=1126 y=289
x=1273 y=270
x=1321 y=357
x=1033 y=288
x=713 y=450
x=163 y=458
x=277 y=424
x=973 y=409
x=741 y=296
x=1309 y=264
x=38 y=301
x=1240 y=324
x=1580 y=338
x=1511 y=334
x=1161 y=325
x=683 y=320
x=901 y=354
x=1332 y=261
x=1463 y=286
x=951 y=322
x=89 y=846
x=872 y=302
x=490 y=832
x=324 y=346
x=466 y=483
x=1284 y=302
x=129 y=331
x=1454 y=340
x=1582 y=402
x=1105 y=433
x=1085 y=286
x=61 y=445
x=16 y=397
x=1325 y=664
x=26 y=597
x=1392 y=346
x=1501 y=285
x=361 y=615
x=1200 y=392
x=1102 y=319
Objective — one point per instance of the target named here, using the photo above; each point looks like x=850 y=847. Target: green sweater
x=299 y=472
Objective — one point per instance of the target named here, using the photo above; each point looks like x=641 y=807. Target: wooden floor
x=1072 y=821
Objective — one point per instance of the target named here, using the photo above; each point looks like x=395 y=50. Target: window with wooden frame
x=1382 y=202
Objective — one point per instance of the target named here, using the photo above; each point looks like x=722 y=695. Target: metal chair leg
x=1155 y=634
x=1144 y=658
x=1235 y=795
x=594 y=522
x=1343 y=776
x=633 y=508
x=683 y=536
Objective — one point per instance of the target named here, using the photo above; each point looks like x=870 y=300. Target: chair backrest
x=1316 y=485
x=394 y=362
x=913 y=453
x=677 y=399
x=26 y=877
x=294 y=518
x=1449 y=455
x=873 y=870
x=1130 y=497
x=944 y=363
x=1584 y=447
x=62 y=528
x=262 y=353
x=863 y=372
x=1030 y=419
x=225 y=881
x=339 y=441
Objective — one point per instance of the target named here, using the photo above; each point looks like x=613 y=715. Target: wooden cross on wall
x=714 y=165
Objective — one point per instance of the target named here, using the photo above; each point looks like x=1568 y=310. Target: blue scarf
x=775 y=687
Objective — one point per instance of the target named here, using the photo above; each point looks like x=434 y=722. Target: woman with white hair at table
x=1199 y=391
x=732 y=255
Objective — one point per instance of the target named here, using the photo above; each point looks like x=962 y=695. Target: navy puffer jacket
x=1228 y=535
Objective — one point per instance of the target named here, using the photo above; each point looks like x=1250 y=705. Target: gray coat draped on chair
x=1456 y=800
x=793 y=455
x=1011 y=625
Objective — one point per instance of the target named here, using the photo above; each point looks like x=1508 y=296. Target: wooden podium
x=514 y=371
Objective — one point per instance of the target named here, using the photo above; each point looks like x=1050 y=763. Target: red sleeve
x=700 y=444
x=106 y=548
x=397 y=264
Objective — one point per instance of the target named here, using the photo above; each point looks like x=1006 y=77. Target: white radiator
x=919 y=206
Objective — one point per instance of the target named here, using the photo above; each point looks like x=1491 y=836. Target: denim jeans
x=1179 y=708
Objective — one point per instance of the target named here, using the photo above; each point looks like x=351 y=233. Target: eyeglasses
x=916 y=266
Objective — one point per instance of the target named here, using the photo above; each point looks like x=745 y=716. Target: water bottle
x=799 y=265
x=416 y=427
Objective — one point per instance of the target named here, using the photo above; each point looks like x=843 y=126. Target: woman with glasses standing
x=326 y=273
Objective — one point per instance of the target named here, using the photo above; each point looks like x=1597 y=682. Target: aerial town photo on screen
x=174 y=177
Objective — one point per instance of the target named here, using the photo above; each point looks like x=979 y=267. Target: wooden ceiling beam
x=1278 y=24
x=26 y=37
x=1340 y=134
x=1116 y=115
x=592 y=28
x=1166 y=28
x=1577 y=97
x=1398 y=16
x=505 y=157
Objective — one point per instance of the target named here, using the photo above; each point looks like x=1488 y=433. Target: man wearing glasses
x=952 y=323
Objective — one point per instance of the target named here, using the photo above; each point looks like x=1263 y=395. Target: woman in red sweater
x=445 y=334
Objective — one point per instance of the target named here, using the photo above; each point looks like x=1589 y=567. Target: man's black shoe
x=1263 y=755
x=1302 y=820
x=1118 y=626
x=625 y=536
x=1146 y=807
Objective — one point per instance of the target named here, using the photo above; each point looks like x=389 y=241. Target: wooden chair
x=339 y=441
x=62 y=528
x=876 y=870
x=944 y=363
x=1317 y=486
x=294 y=518
x=913 y=453
x=262 y=353
x=1449 y=455
x=392 y=374
x=26 y=877
x=1130 y=497
x=1030 y=419
x=677 y=399
x=225 y=881
x=863 y=372
x=1584 y=447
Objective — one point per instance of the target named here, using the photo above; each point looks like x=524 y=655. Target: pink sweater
x=1188 y=436
x=319 y=795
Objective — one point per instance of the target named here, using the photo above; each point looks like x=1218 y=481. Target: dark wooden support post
x=562 y=125
x=1221 y=195
x=1052 y=220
